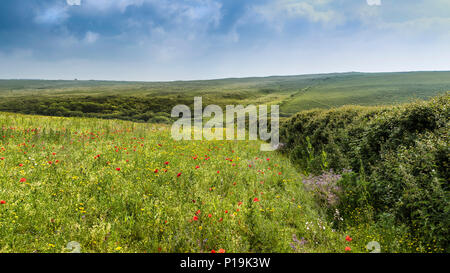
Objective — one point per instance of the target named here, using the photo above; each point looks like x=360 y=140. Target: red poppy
x=209 y=215
x=179 y=174
x=213 y=251
x=256 y=199
x=167 y=162
x=347 y=248
x=197 y=212
x=117 y=169
x=23 y=180
x=195 y=218
x=226 y=211
x=2 y=158
x=197 y=167
x=156 y=171
x=221 y=250
x=218 y=171
x=50 y=162
x=348 y=238
x=2 y=202
x=20 y=165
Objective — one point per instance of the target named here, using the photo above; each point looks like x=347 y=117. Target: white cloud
x=308 y=10
x=374 y=2
x=106 y=5
x=178 y=12
x=316 y=11
x=90 y=37
x=434 y=27
x=73 y=2
x=53 y=15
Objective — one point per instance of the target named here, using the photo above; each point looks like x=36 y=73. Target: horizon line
x=224 y=78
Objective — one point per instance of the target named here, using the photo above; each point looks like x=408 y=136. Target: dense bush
x=400 y=155
x=139 y=109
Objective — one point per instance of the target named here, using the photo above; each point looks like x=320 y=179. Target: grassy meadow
x=126 y=187
x=102 y=172
x=117 y=186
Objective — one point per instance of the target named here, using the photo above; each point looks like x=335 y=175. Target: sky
x=162 y=40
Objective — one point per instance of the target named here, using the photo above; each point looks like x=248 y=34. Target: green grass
x=60 y=183
x=57 y=190
x=69 y=194
x=368 y=90
x=292 y=93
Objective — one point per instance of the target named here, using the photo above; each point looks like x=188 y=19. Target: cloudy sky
x=155 y=40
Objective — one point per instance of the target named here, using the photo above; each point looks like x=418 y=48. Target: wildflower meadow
x=117 y=186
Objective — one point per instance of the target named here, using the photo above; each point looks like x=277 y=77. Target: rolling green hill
x=143 y=101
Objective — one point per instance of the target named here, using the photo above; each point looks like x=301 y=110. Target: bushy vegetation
x=394 y=163
x=138 y=109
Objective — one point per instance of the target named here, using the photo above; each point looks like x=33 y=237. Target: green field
x=117 y=186
x=109 y=177
x=152 y=101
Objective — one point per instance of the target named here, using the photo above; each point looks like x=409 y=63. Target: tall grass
x=116 y=186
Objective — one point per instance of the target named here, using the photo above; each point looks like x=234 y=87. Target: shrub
x=399 y=155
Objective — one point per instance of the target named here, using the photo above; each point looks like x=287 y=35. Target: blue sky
x=153 y=40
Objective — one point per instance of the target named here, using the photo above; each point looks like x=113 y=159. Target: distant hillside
x=292 y=93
